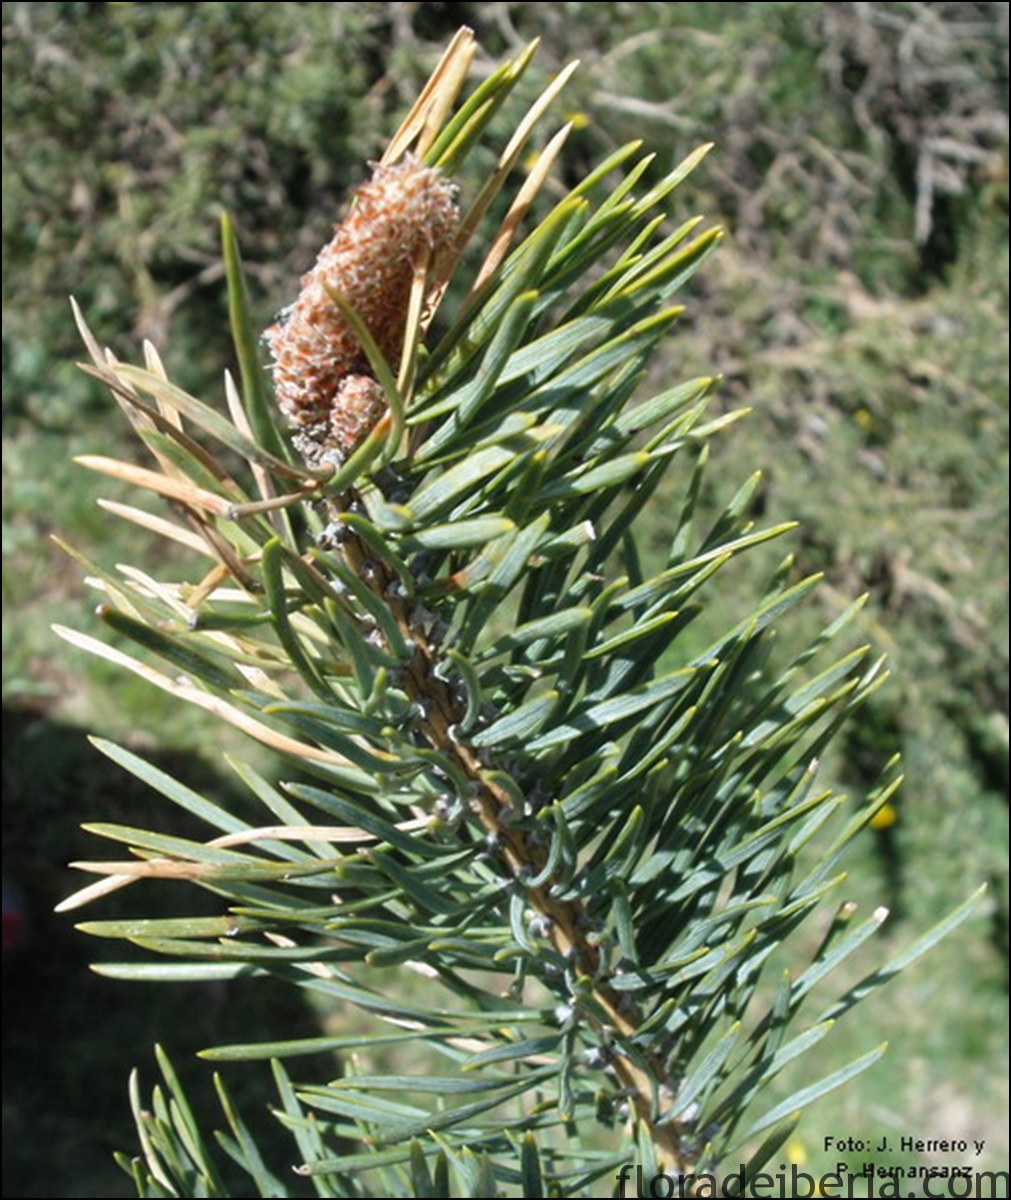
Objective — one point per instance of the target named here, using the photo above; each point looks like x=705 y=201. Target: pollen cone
x=404 y=215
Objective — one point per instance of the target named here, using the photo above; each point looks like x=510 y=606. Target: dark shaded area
x=871 y=739
x=70 y=1037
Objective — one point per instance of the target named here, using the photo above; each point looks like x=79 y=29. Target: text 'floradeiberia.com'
x=633 y=1182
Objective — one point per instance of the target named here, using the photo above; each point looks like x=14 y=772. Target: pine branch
x=518 y=761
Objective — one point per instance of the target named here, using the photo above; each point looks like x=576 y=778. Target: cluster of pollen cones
x=401 y=220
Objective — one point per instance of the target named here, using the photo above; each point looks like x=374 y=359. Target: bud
x=322 y=377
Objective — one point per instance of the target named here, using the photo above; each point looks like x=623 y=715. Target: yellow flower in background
x=796 y=1151
x=864 y=420
x=885 y=817
x=578 y=120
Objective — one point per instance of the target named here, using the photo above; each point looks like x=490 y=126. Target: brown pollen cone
x=322 y=377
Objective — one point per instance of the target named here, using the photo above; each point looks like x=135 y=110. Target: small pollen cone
x=322 y=377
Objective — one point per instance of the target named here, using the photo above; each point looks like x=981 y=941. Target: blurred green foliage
x=860 y=307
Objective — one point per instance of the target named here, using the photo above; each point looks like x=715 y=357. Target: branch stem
x=567 y=921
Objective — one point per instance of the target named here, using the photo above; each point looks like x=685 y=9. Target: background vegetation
x=860 y=306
